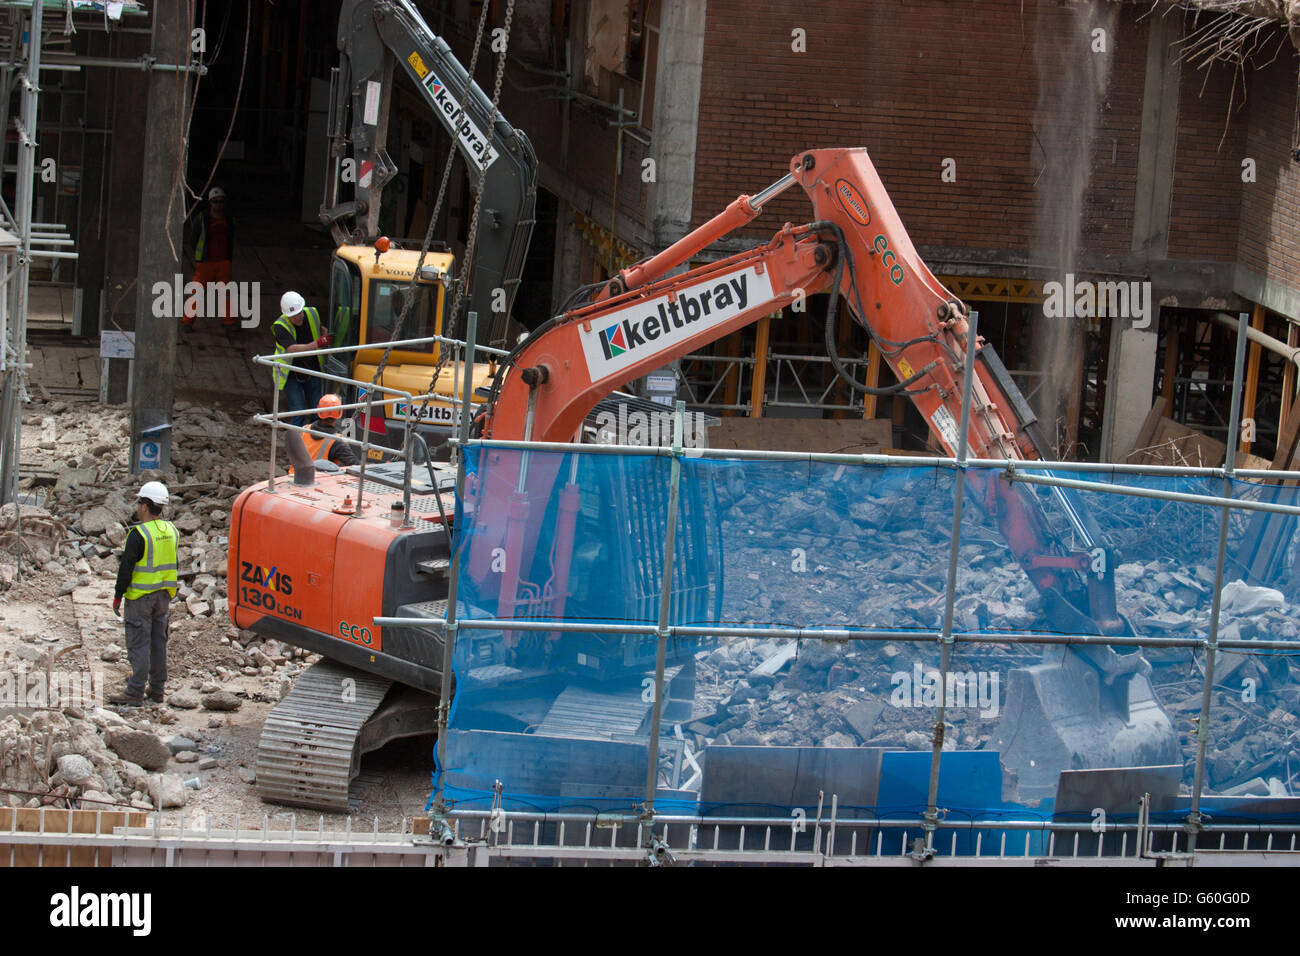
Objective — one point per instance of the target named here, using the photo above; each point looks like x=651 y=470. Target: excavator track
x=308 y=753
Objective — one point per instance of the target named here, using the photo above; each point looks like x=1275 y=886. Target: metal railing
x=791 y=376
x=1034 y=472
x=834 y=836
x=461 y=366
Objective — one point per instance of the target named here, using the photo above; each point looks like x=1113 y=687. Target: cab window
x=387 y=300
x=345 y=303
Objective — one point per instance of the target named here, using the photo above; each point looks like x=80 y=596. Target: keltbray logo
x=613 y=341
x=465 y=128
x=647 y=328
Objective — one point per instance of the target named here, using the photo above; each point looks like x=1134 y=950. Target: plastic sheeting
x=757 y=725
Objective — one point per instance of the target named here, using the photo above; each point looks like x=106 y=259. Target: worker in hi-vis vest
x=213 y=239
x=146 y=577
x=298 y=330
x=328 y=415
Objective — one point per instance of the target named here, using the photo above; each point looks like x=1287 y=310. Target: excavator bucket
x=1066 y=714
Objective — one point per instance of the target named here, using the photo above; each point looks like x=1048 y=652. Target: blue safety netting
x=758 y=725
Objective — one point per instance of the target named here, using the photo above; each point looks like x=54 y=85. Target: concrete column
x=162 y=203
x=1131 y=373
x=567 y=273
x=1132 y=364
x=91 y=232
x=677 y=106
x=1159 y=143
x=121 y=197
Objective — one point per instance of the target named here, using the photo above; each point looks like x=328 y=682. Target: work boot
x=126 y=698
x=156 y=696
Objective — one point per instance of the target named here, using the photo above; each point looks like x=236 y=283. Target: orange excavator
x=349 y=564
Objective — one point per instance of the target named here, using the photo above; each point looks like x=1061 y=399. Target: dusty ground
x=56 y=618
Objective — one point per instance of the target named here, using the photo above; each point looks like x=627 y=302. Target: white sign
x=150 y=455
x=661 y=383
x=116 y=345
x=946 y=426
x=644 y=329
x=371 y=116
x=470 y=135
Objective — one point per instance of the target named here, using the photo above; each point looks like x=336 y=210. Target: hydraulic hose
x=833 y=354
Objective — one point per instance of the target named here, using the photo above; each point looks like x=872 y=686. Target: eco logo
x=647 y=328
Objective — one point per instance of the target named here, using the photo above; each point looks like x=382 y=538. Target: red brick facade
x=922 y=80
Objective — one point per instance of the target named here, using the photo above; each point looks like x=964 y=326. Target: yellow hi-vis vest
x=283 y=365
x=156 y=571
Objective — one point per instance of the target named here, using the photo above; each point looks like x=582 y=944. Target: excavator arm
x=374 y=36
x=857 y=248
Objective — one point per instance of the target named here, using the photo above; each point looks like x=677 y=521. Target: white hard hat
x=216 y=193
x=155 y=491
x=291 y=303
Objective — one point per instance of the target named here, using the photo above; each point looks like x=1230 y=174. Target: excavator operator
x=327 y=418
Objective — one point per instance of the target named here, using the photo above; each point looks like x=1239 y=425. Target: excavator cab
x=369 y=290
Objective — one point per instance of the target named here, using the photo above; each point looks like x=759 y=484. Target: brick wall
x=1270 y=207
x=921 y=80
x=914 y=82
x=1205 y=208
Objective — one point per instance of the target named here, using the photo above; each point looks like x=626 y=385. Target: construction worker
x=298 y=330
x=327 y=418
x=214 y=248
x=146 y=577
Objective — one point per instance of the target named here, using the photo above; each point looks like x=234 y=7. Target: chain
x=462 y=276
x=433 y=220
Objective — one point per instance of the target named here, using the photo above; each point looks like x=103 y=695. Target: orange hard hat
x=328 y=406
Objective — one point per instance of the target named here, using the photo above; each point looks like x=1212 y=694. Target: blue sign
x=150 y=455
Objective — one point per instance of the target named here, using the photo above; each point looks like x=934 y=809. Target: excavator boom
x=374 y=37
x=1093 y=706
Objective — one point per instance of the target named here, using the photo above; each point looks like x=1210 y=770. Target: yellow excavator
x=368 y=291
x=370 y=278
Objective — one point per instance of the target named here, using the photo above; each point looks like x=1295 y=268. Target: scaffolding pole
x=14 y=390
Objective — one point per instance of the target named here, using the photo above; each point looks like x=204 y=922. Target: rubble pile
x=75 y=465
x=58 y=745
x=822 y=556
x=94 y=756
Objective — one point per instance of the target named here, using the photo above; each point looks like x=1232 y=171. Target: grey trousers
x=146 y=641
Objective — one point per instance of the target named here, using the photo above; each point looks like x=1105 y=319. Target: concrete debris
x=98 y=520
x=177 y=744
x=139 y=747
x=76 y=769
x=183 y=700
x=167 y=790
x=221 y=700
